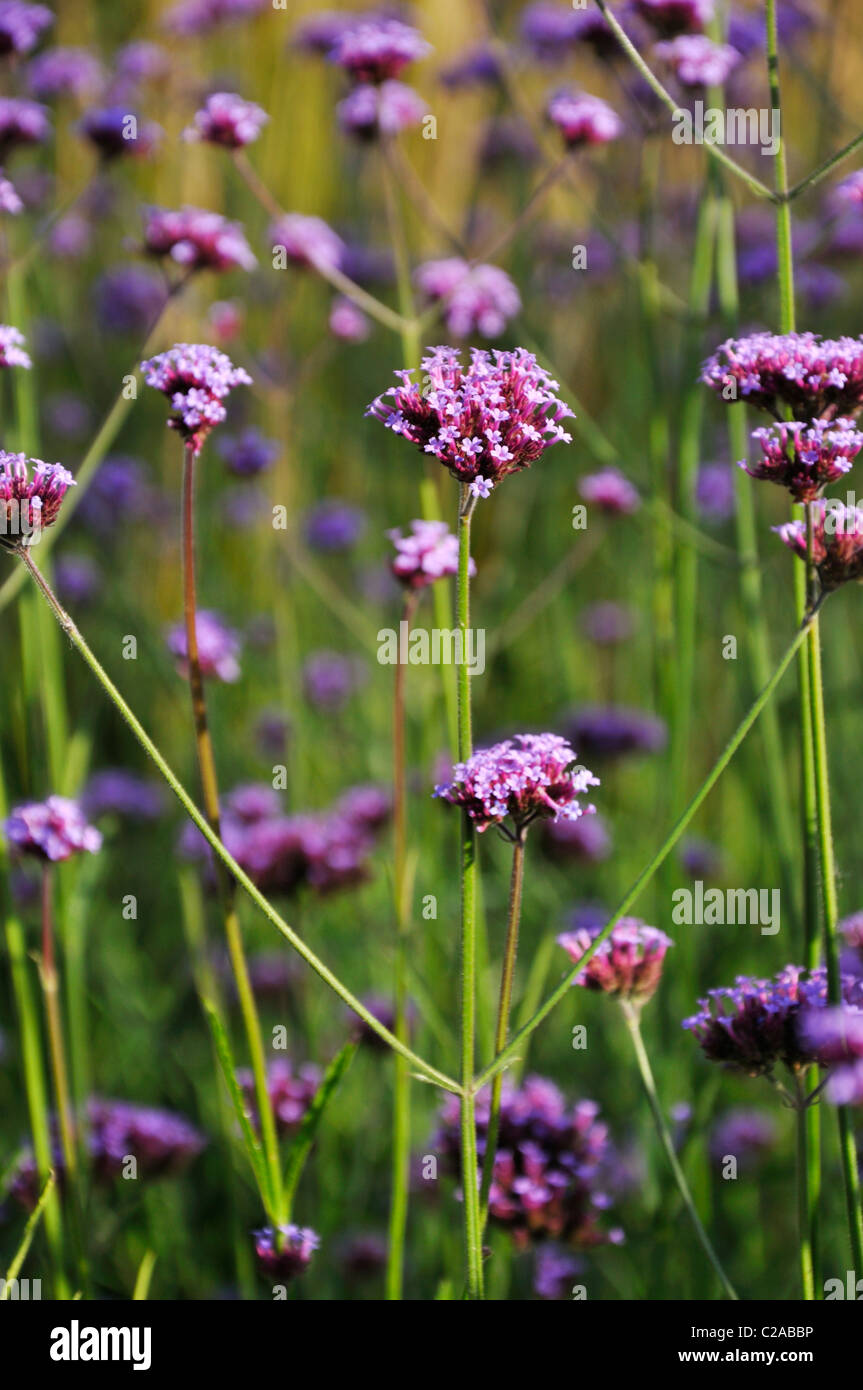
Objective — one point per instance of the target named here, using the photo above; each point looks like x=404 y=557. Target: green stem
x=51 y=994
x=632 y=1015
x=516 y=885
x=470 y=1171
x=420 y=1065
x=806 y=1198
x=658 y=859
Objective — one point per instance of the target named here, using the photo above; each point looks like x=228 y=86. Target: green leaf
x=29 y=1232
x=311 y=1121
x=250 y=1139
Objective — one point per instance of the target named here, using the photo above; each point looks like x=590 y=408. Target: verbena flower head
x=369 y=112
x=612 y=731
x=754 y=1025
x=330 y=678
x=836 y=1035
x=610 y=491
x=378 y=49
x=197 y=239
x=628 y=963
x=192 y=17
x=291 y=1090
x=548 y=1165
x=672 y=17
x=298 y=1244
x=51 y=830
x=747 y=1135
x=249 y=453
x=698 y=62
x=333 y=525
x=115 y=792
x=347 y=322
x=478 y=66
x=837 y=541
x=218 y=647
x=477 y=299
x=805 y=458
x=308 y=241
x=583 y=119
x=12 y=352
x=63 y=71
x=227 y=120
x=22 y=26
x=31 y=495
x=849 y=193
x=482 y=423
x=549 y=30
x=586 y=840
x=427 y=553
x=800 y=370
x=526 y=778
x=22 y=123
x=197 y=379
x=9 y=200
x=114 y=131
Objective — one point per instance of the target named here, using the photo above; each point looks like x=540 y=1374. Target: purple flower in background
x=608 y=623
x=549 y=30
x=700 y=858
x=547 y=1167
x=196 y=379
x=611 y=731
x=333 y=525
x=218 y=647
x=363 y=1255
x=627 y=964
x=377 y=50
x=31 y=495
x=836 y=1035
x=191 y=17
x=593 y=29
x=698 y=62
x=319 y=33
x=367 y=806
x=115 y=792
x=52 y=830
x=368 y=112
x=118 y=494
x=755 y=1024
x=197 y=240
x=226 y=119
x=291 y=1090
x=113 y=131
x=672 y=17
x=128 y=299
x=284 y=1257
x=805 y=458
x=77 y=579
x=555 y=1272
x=329 y=679
x=800 y=370
x=12 y=352
x=21 y=26
x=9 y=200
x=747 y=1135
x=479 y=66
x=22 y=123
x=348 y=323
x=138 y=62
x=714 y=492
x=495 y=418
x=837 y=541
x=60 y=72
x=427 y=553
x=586 y=840
x=610 y=491
x=583 y=119
x=507 y=138
x=849 y=193
x=249 y=453
x=307 y=241
x=382 y=1009
x=526 y=778
x=478 y=299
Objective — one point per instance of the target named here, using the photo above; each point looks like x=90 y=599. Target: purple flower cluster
x=51 y=830
x=809 y=374
x=672 y=17
x=197 y=240
x=547 y=1166
x=115 y=792
x=191 y=17
x=114 y=131
x=283 y=1256
x=218 y=647
x=427 y=553
x=583 y=119
x=805 y=458
x=747 y=1135
x=291 y=1090
x=63 y=71
x=161 y=1142
x=483 y=423
x=31 y=495
x=698 y=62
x=22 y=25
x=9 y=200
x=628 y=963
x=526 y=778
x=308 y=241
x=610 y=491
x=755 y=1024
x=371 y=111
x=227 y=120
x=249 y=453
x=12 y=352
x=22 y=122
x=612 y=731
x=333 y=525
x=196 y=379
x=377 y=50
x=479 y=299
x=836 y=1035
x=837 y=541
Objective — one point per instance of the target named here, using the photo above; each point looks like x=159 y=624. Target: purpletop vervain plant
x=285 y=1253
x=369 y=112
x=227 y=120
x=805 y=458
x=22 y=26
x=698 y=62
x=218 y=647
x=197 y=379
x=377 y=50
x=836 y=542
x=583 y=119
x=197 y=240
x=527 y=778
x=307 y=241
x=810 y=375
x=478 y=299
x=12 y=352
x=628 y=963
x=427 y=553
x=31 y=495
x=52 y=830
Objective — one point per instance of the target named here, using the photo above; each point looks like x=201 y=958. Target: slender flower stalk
x=632 y=1017
x=806 y=1197
x=50 y=980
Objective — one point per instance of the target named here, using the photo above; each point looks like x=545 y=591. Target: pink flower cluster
x=226 y=119
x=628 y=963
x=837 y=541
x=196 y=379
x=583 y=119
x=427 y=553
x=51 y=830
x=800 y=370
x=526 y=778
x=31 y=495
x=805 y=458
x=477 y=299
x=197 y=239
